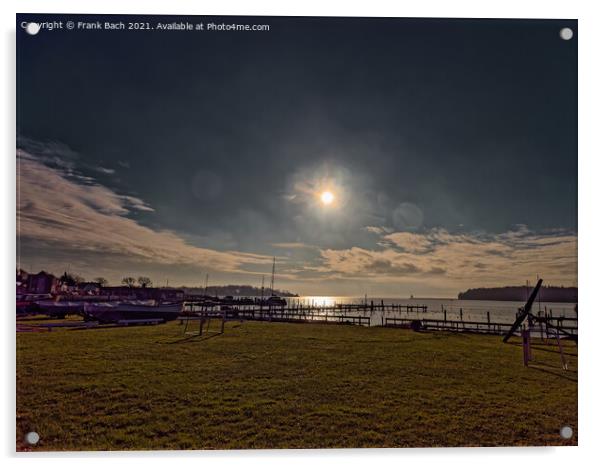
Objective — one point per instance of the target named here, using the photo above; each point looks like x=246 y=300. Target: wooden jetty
x=300 y=307
x=391 y=316
x=338 y=313
x=488 y=327
x=279 y=314
x=547 y=327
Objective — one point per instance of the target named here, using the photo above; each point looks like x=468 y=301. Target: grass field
x=271 y=385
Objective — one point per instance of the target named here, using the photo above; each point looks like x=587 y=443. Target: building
x=88 y=288
x=42 y=283
x=142 y=293
x=22 y=277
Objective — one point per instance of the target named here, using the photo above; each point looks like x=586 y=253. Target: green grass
x=271 y=385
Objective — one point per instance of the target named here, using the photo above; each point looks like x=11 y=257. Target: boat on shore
x=276 y=301
x=59 y=309
x=27 y=302
x=111 y=312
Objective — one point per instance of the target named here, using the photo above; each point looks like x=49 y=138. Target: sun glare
x=327 y=197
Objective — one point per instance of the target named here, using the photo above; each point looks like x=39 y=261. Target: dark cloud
x=382 y=266
x=222 y=138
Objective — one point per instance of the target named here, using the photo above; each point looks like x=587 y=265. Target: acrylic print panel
x=285 y=232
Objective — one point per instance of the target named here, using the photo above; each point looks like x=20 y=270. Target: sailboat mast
x=262 y=286
x=273 y=273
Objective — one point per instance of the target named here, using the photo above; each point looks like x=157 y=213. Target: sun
x=327 y=197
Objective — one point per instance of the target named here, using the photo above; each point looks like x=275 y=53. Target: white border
x=590 y=179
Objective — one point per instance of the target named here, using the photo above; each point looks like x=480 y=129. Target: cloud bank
x=461 y=259
x=57 y=210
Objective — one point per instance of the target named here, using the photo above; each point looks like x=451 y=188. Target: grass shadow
x=535 y=366
x=190 y=339
x=553 y=366
x=548 y=348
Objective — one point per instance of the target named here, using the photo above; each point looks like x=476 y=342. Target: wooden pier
x=363 y=314
x=494 y=328
x=547 y=327
x=300 y=307
x=283 y=315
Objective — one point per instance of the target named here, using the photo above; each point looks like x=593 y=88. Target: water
x=472 y=310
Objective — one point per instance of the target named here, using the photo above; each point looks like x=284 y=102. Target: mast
x=273 y=273
x=524 y=312
x=262 y=288
x=262 y=285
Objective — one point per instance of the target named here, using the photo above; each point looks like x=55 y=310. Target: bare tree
x=102 y=282
x=145 y=282
x=129 y=281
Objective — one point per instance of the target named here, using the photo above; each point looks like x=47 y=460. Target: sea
x=452 y=309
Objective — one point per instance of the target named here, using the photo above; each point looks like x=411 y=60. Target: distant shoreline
x=553 y=294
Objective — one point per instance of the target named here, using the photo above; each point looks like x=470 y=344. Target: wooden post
x=565 y=365
x=224 y=319
x=461 y=315
x=526 y=349
x=445 y=315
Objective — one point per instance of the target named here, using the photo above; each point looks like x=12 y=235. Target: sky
x=449 y=148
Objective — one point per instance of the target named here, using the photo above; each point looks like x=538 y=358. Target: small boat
x=27 y=302
x=111 y=312
x=60 y=309
x=276 y=301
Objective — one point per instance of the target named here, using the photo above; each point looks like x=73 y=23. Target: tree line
x=551 y=294
x=71 y=279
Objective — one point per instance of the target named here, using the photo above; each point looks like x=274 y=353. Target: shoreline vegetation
x=281 y=385
x=550 y=294
x=246 y=291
